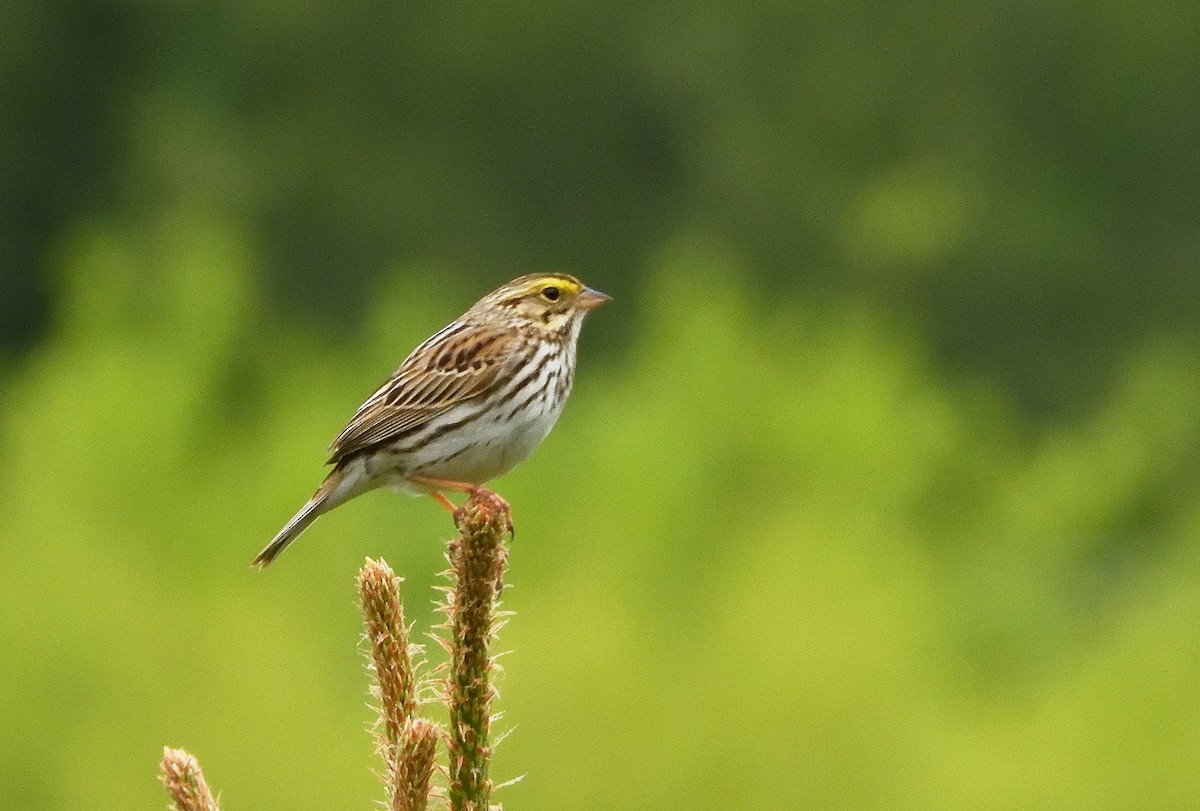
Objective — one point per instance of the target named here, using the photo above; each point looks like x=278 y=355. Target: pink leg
x=440 y=498
x=473 y=490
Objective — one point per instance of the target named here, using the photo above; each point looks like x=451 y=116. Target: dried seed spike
x=415 y=761
x=477 y=560
x=184 y=781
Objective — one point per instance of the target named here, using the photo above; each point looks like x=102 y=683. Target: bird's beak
x=590 y=299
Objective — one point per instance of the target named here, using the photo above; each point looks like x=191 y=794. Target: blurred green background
x=880 y=487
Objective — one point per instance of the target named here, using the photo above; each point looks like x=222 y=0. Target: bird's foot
x=490 y=501
x=481 y=497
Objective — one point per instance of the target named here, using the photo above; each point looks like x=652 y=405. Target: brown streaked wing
x=451 y=368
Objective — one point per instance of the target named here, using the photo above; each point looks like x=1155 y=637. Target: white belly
x=481 y=451
x=492 y=448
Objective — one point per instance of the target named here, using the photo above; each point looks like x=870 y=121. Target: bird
x=465 y=406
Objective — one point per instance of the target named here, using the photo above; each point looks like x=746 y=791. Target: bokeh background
x=880 y=487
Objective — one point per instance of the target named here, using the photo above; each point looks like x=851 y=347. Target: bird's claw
x=488 y=500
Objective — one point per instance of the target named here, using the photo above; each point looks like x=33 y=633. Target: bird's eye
x=550 y=293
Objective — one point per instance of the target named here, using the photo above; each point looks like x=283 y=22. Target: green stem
x=477 y=558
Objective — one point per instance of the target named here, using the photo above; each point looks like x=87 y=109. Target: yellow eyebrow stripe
x=568 y=285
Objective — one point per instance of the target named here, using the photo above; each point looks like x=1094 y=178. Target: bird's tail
x=339 y=486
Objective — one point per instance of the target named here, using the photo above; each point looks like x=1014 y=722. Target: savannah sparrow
x=465 y=406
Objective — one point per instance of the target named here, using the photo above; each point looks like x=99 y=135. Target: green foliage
x=878 y=488
x=770 y=557
x=1018 y=181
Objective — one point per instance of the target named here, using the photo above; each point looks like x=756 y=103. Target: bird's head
x=545 y=301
